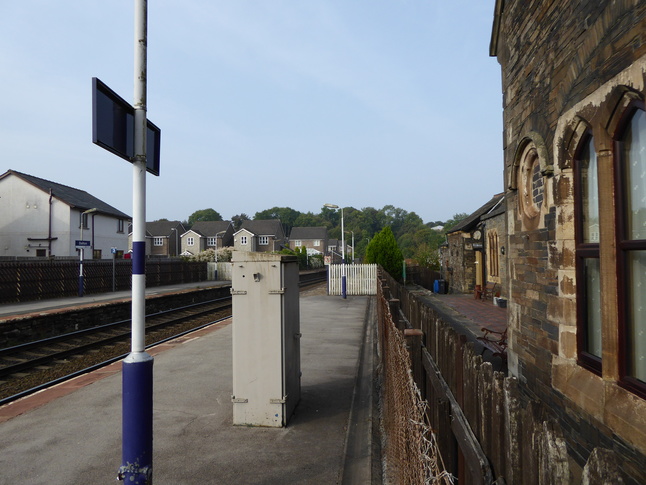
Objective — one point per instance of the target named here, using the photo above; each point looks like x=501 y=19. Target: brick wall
x=562 y=62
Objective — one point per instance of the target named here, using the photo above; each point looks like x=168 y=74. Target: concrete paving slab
x=76 y=438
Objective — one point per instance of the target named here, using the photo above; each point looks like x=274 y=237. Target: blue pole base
x=80 y=285
x=343 y=287
x=137 y=420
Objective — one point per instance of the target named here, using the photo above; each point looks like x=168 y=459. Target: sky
x=358 y=103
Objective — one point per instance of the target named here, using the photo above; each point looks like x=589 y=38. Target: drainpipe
x=92 y=243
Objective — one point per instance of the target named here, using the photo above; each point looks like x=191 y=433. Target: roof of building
x=75 y=198
x=211 y=228
x=308 y=233
x=271 y=227
x=470 y=222
x=164 y=228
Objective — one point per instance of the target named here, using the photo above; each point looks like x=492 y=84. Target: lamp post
x=216 y=253
x=82 y=251
x=343 y=282
x=176 y=241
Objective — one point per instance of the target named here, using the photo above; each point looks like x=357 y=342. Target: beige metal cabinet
x=266 y=338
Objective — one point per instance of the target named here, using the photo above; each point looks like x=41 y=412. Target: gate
x=361 y=279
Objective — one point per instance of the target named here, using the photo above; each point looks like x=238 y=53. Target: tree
x=307 y=219
x=383 y=250
x=204 y=215
x=238 y=219
x=286 y=215
x=454 y=220
x=427 y=257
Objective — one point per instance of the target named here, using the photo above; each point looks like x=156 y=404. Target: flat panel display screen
x=113 y=126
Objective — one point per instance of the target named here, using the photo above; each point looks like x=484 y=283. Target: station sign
x=82 y=244
x=113 y=127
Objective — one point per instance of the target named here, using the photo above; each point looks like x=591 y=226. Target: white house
x=39 y=218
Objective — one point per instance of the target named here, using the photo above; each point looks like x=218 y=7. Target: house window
x=158 y=241
x=120 y=225
x=317 y=242
x=588 y=271
x=41 y=253
x=263 y=240
x=243 y=240
x=631 y=245
x=83 y=221
x=96 y=254
x=190 y=241
x=211 y=241
x=297 y=243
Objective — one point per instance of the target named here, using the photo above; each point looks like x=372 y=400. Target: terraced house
x=574 y=91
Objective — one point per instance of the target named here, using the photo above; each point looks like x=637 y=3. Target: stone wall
x=458 y=261
x=496 y=228
x=566 y=65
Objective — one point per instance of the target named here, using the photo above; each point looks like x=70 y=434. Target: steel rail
x=91 y=368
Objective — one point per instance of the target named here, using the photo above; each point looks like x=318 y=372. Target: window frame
x=212 y=241
x=263 y=240
x=243 y=240
x=583 y=252
x=492 y=252
x=624 y=247
x=158 y=241
x=190 y=241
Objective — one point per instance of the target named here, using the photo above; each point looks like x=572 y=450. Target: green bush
x=383 y=250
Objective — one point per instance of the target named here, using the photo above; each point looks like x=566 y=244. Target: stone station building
x=573 y=82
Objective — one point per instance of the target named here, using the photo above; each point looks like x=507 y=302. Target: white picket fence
x=360 y=279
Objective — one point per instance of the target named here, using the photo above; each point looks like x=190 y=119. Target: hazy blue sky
x=263 y=103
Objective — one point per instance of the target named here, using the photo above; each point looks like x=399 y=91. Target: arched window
x=586 y=193
x=630 y=153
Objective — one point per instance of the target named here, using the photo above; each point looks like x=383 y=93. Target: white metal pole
x=137 y=370
x=81 y=254
x=139 y=180
x=343 y=279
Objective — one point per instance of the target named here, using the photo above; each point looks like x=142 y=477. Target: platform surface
x=71 y=434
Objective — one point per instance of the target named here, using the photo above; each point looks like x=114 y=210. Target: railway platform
x=39 y=306
x=71 y=433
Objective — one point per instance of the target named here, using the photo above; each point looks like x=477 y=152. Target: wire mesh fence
x=411 y=452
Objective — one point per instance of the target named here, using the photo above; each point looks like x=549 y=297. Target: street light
x=343 y=282
x=176 y=241
x=352 y=246
x=216 y=252
x=82 y=251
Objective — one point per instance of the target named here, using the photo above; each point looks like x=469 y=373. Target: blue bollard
x=137 y=421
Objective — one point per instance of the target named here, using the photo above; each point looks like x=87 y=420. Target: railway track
x=32 y=366
x=27 y=368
